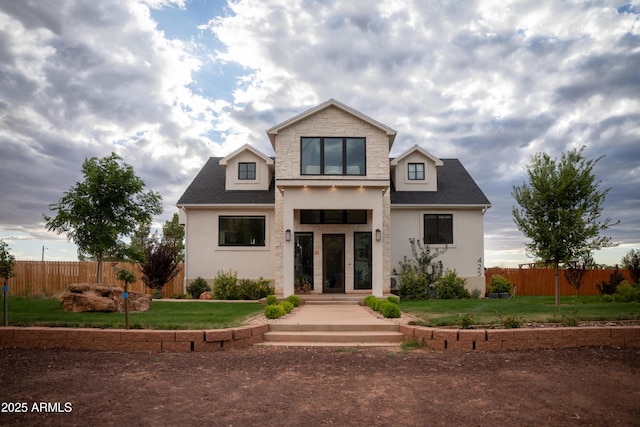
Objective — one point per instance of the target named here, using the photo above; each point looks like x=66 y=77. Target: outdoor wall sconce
x=287 y=235
x=378 y=234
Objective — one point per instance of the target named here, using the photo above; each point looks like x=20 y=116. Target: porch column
x=288 y=249
x=377 y=252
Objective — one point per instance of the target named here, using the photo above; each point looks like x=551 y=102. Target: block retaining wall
x=522 y=339
x=185 y=341
x=182 y=341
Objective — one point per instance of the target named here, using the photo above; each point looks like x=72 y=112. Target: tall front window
x=438 y=228
x=332 y=156
x=241 y=231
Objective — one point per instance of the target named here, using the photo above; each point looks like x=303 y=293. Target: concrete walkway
x=332 y=325
x=332 y=314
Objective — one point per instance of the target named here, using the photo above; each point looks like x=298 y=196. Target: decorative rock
x=82 y=297
x=206 y=295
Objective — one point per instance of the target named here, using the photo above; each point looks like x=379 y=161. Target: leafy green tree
x=560 y=209
x=173 y=233
x=631 y=262
x=108 y=205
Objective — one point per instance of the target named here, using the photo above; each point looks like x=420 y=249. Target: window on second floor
x=416 y=171
x=247 y=171
x=332 y=156
x=438 y=228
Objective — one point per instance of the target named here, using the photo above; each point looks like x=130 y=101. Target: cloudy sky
x=168 y=83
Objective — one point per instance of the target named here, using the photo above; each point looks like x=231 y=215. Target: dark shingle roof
x=455 y=187
x=208 y=188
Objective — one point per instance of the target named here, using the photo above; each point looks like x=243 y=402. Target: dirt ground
x=321 y=386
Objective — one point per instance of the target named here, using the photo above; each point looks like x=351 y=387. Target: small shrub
x=157 y=294
x=253 y=289
x=389 y=309
x=274 y=311
x=475 y=294
x=393 y=299
x=610 y=287
x=627 y=293
x=179 y=295
x=294 y=299
x=287 y=306
x=511 y=321
x=197 y=287
x=466 y=321
x=224 y=285
x=375 y=304
x=607 y=298
x=410 y=345
x=272 y=300
x=369 y=300
x=450 y=286
x=499 y=284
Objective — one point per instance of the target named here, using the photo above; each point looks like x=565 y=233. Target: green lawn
x=525 y=308
x=162 y=315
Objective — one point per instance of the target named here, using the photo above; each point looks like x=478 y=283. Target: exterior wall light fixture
x=287 y=235
x=378 y=234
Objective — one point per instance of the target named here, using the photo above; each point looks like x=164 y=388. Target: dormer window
x=247 y=171
x=416 y=171
x=332 y=156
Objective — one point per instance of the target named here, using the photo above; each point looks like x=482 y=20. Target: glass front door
x=303 y=262
x=333 y=263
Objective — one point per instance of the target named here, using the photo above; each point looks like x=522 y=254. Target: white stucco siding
x=465 y=255
x=205 y=257
x=263 y=174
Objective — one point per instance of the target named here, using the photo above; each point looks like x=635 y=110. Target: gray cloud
x=489 y=83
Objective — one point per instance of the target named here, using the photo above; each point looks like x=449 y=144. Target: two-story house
x=331 y=213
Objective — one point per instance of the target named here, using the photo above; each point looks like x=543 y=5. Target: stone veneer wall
x=182 y=341
x=522 y=339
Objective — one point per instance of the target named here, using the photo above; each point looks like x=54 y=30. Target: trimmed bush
x=227 y=287
x=389 y=309
x=272 y=300
x=224 y=285
x=197 y=287
x=369 y=300
x=287 y=306
x=627 y=293
x=450 y=286
x=499 y=284
x=274 y=311
x=393 y=299
x=294 y=299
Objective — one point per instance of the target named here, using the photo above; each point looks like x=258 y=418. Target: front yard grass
x=24 y=311
x=528 y=309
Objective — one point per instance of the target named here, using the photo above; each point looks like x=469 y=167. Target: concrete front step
x=309 y=327
x=333 y=335
x=334 y=338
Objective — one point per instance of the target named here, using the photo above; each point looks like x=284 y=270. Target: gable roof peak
x=419 y=149
x=245 y=147
x=273 y=132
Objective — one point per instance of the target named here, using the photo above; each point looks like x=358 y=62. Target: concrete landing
x=332 y=325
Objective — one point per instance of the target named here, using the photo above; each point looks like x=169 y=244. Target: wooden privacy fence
x=51 y=277
x=541 y=281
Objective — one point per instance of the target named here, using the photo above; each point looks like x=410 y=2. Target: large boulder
x=82 y=297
